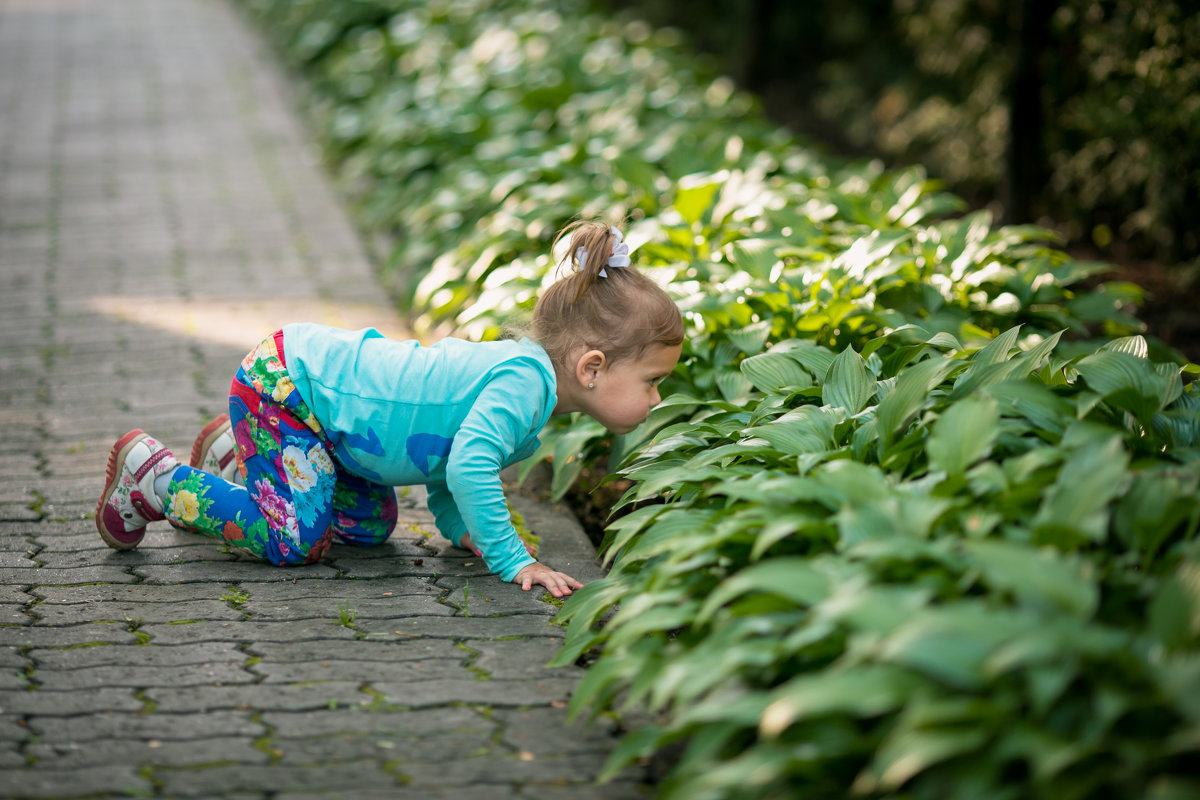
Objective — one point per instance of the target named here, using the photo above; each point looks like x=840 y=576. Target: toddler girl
x=324 y=422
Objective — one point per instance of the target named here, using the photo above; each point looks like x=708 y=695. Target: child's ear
x=589 y=365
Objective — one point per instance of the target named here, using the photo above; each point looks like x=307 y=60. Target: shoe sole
x=209 y=434
x=116 y=458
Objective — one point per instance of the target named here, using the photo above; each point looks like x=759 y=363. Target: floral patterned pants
x=296 y=498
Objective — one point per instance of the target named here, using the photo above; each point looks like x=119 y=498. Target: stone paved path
x=153 y=182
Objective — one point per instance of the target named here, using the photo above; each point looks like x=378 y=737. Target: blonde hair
x=621 y=314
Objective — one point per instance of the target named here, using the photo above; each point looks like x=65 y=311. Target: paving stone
x=524 y=730
x=233 y=571
x=141 y=593
x=283 y=591
x=512 y=770
x=144 y=727
x=615 y=790
x=149 y=656
x=413 y=566
x=244 y=631
x=418 y=723
x=260 y=697
x=374 y=649
x=13 y=729
x=463 y=627
x=221 y=781
x=348 y=746
x=68 y=703
x=11 y=658
x=11 y=757
x=424 y=694
x=13 y=680
x=147 y=752
x=141 y=676
x=14 y=614
x=14 y=593
x=65 y=614
x=491 y=598
x=483 y=792
x=362 y=672
x=72 y=636
x=66 y=577
x=524 y=658
x=56 y=782
x=167 y=555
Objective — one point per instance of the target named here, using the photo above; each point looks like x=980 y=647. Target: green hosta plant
x=967 y=573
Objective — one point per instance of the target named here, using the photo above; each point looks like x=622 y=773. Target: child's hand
x=558 y=583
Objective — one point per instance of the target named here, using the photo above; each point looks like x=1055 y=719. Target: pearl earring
x=591 y=386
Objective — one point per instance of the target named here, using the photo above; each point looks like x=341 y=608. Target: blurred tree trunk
x=1025 y=172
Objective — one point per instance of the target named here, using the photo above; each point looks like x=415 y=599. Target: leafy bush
x=939 y=571
x=918 y=515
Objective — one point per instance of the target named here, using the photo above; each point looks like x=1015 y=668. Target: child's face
x=625 y=391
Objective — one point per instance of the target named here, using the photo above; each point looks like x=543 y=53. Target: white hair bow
x=620 y=253
x=618 y=259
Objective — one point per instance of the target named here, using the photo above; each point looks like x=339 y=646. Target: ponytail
x=602 y=302
x=591 y=250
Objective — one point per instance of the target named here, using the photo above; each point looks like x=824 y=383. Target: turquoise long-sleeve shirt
x=450 y=416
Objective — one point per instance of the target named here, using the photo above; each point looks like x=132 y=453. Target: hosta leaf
x=848 y=383
x=773 y=371
x=752 y=338
x=952 y=643
x=1041 y=577
x=1132 y=345
x=909 y=751
x=908 y=396
x=734 y=385
x=985 y=373
x=963 y=434
x=1160 y=505
x=1075 y=507
x=807 y=429
x=662 y=618
x=1175 y=612
x=1125 y=381
x=620 y=532
x=998 y=349
x=638 y=743
x=796 y=579
x=861 y=691
x=814 y=357
x=1045 y=410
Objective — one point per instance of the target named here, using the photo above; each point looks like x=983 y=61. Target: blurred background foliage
x=1080 y=115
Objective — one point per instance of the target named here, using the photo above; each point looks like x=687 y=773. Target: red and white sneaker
x=128 y=502
x=213 y=451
